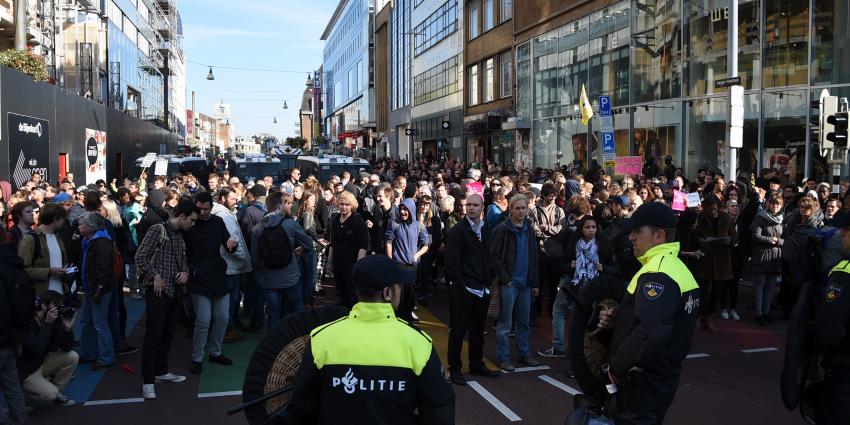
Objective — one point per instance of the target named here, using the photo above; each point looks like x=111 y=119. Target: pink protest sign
x=475 y=188
x=628 y=165
x=679 y=200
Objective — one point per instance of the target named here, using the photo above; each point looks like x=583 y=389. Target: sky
x=267 y=34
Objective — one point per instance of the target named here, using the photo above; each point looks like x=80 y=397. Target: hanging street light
x=284 y=105
x=275 y=120
x=210 y=75
x=227 y=121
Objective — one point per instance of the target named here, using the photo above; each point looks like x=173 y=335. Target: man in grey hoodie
x=406 y=241
x=281 y=286
x=238 y=262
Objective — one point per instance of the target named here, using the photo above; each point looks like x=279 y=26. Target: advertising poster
x=95 y=155
x=629 y=165
x=29 y=147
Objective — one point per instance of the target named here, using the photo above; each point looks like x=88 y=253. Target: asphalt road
x=732 y=378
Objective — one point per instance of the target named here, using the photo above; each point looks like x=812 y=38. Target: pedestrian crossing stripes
x=759 y=350
x=559 y=385
x=504 y=410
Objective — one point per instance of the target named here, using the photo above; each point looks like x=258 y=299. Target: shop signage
x=628 y=165
x=29 y=147
x=95 y=155
x=720 y=14
x=606 y=119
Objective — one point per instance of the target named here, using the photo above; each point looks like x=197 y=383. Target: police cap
x=654 y=214
x=376 y=272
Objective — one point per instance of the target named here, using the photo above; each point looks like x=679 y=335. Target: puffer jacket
x=767 y=257
x=240 y=261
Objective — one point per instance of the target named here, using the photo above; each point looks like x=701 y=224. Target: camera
x=66 y=312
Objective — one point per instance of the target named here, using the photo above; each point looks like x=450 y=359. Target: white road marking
x=559 y=385
x=220 y=394
x=504 y=410
x=114 y=401
x=697 y=355
x=530 y=369
x=759 y=350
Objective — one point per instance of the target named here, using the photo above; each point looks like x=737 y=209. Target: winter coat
x=97 y=277
x=240 y=261
x=717 y=263
x=285 y=277
x=767 y=257
x=503 y=251
x=207 y=268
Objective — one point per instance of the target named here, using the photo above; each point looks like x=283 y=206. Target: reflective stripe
x=371 y=336
x=664 y=258
x=842 y=266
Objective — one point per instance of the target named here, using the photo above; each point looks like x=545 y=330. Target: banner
x=679 y=200
x=628 y=165
x=95 y=156
x=29 y=148
x=475 y=187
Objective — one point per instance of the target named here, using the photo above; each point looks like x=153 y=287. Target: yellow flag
x=585 y=107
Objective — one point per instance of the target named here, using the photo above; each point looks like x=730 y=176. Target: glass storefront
x=659 y=60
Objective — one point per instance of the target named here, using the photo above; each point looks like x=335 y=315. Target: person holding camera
x=44 y=252
x=47 y=361
x=96 y=343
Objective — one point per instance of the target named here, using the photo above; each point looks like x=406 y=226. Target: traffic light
x=838 y=136
x=828 y=106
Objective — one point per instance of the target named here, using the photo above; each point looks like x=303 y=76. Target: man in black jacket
x=47 y=361
x=467 y=268
x=17 y=301
x=207 y=283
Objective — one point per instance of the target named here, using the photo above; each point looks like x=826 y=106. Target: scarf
x=587 y=256
x=770 y=218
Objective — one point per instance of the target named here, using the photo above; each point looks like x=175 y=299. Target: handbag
x=552 y=247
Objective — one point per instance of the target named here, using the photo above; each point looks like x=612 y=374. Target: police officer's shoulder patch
x=833 y=291
x=652 y=290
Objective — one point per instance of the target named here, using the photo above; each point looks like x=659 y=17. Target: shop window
x=656 y=47
x=785 y=134
x=785 y=44
x=830 y=48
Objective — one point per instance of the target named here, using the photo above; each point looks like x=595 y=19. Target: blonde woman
x=117 y=310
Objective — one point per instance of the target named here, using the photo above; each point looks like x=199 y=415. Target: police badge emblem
x=652 y=290
x=833 y=292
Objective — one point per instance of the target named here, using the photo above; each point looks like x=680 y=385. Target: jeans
x=290 y=299
x=233 y=281
x=96 y=330
x=519 y=299
x=10 y=387
x=132 y=279
x=307 y=264
x=118 y=317
x=254 y=298
x=763 y=284
x=161 y=324
x=209 y=310
x=560 y=308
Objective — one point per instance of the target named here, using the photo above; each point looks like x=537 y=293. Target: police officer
x=655 y=323
x=832 y=340
x=371 y=367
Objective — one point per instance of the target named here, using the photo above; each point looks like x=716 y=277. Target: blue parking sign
x=604 y=105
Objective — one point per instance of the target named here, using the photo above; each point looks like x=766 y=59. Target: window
x=337 y=94
x=489 y=14
x=437 y=82
x=473 y=85
x=489 y=71
x=506 y=10
x=130 y=30
x=436 y=27
x=143 y=11
x=115 y=15
x=473 y=19
x=400 y=53
x=352 y=82
x=506 y=73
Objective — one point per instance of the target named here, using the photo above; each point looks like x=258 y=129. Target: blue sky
x=268 y=34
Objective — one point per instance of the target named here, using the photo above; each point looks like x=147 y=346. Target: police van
x=325 y=166
x=172 y=164
x=250 y=167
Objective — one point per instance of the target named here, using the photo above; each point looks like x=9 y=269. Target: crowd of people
x=226 y=257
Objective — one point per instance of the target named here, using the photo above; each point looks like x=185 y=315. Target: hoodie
x=154 y=214
x=406 y=236
x=240 y=261
x=290 y=275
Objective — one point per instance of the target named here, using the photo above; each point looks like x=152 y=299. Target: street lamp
x=210 y=75
x=284 y=105
x=275 y=120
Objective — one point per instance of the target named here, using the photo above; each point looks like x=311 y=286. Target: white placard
x=161 y=168
x=693 y=200
x=148 y=160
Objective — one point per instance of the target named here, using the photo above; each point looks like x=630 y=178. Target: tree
x=296 y=142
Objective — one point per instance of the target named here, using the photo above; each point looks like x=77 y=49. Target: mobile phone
x=70 y=270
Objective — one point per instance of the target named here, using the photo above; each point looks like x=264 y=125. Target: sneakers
x=553 y=353
x=127 y=349
x=148 y=393
x=724 y=315
x=507 y=366
x=528 y=361
x=64 y=401
x=220 y=359
x=734 y=315
x=169 y=377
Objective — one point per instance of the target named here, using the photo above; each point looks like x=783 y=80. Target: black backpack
x=277 y=249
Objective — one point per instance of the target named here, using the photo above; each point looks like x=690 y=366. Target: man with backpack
x=273 y=243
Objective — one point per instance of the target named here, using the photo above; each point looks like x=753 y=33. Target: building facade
x=489 y=94
x=436 y=113
x=658 y=60
x=348 y=65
